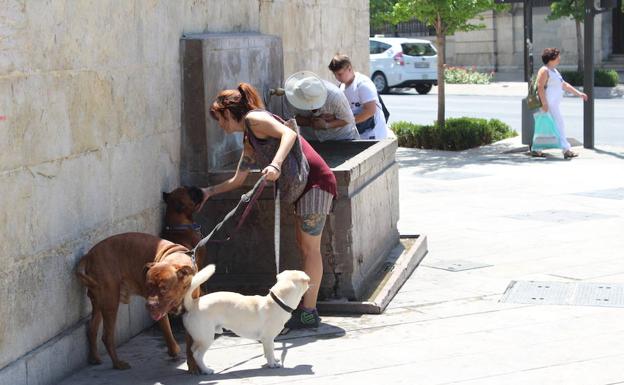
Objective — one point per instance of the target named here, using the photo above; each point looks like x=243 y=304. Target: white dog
x=255 y=317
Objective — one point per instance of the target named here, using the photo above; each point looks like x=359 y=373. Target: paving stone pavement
x=525 y=219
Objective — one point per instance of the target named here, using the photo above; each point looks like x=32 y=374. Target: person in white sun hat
x=322 y=111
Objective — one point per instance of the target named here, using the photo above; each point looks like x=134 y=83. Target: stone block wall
x=90 y=136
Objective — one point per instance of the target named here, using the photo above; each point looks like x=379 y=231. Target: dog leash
x=247 y=200
x=245 y=204
x=276 y=228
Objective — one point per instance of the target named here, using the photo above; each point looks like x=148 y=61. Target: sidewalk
x=524 y=219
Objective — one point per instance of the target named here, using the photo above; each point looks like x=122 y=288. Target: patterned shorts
x=315 y=201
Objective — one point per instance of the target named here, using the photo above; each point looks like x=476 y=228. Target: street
x=422 y=109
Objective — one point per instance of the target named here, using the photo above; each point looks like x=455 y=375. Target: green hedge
x=458 y=134
x=602 y=78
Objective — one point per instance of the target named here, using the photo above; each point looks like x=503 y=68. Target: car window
x=418 y=49
x=377 y=47
x=372 y=47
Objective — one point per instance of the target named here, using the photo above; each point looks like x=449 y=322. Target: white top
x=360 y=91
x=337 y=105
x=554 y=86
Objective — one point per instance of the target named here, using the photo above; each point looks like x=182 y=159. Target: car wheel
x=423 y=89
x=380 y=82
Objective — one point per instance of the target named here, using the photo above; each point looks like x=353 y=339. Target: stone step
x=616 y=58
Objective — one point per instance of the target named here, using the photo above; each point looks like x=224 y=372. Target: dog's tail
x=202 y=276
x=81 y=273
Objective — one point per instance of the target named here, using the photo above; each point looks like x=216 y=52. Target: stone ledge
x=391 y=275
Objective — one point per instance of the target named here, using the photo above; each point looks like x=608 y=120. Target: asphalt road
x=422 y=109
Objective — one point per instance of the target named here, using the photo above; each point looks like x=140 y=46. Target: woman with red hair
x=303 y=177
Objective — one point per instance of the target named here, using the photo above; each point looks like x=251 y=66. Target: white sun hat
x=305 y=90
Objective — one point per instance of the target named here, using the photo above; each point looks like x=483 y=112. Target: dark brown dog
x=182 y=203
x=133 y=264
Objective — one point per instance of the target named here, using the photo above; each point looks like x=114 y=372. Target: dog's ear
x=165 y=196
x=147 y=267
x=184 y=271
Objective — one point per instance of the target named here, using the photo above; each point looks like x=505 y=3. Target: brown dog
x=133 y=264
x=182 y=203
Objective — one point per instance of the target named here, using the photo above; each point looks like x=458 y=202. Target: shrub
x=602 y=78
x=458 y=133
x=463 y=75
x=606 y=78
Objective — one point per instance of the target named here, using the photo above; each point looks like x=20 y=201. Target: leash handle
x=277 y=228
x=248 y=199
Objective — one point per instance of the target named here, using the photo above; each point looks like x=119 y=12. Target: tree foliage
x=573 y=9
x=447 y=17
x=454 y=15
x=381 y=12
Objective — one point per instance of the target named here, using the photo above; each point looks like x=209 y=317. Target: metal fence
x=408 y=28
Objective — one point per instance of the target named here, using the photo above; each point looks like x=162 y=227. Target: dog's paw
x=174 y=351
x=273 y=365
x=121 y=365
x=193 y=368
x=207 y=371
x=95 y=361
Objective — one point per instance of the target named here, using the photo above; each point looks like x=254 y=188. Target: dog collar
x=182 y=227
x=281 y=303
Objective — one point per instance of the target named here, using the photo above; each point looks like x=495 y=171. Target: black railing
x=542 y=3
x=408 y=28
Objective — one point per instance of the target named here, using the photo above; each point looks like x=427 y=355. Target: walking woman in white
x=550 y=87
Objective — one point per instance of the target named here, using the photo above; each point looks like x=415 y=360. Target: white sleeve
x=367 y=92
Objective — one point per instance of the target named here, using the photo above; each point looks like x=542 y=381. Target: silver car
x=397 y=62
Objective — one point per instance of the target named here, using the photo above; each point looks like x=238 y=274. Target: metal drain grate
x=599 y=294
x=455 y=265
x=565 y=293
x=559 y=216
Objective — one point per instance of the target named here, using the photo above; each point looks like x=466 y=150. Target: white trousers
x=553 y=108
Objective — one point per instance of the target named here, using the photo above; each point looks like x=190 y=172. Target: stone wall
x=90 y=137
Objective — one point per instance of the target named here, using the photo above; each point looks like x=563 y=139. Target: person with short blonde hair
x=363 y=99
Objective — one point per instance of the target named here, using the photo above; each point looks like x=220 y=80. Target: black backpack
x=383 y=108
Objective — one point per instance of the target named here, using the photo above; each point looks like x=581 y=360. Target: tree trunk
x=441 y=43
x=579 y=46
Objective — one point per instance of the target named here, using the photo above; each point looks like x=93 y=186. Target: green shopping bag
x=545 y=135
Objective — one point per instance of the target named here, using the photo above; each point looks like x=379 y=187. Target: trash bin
x=528 y=124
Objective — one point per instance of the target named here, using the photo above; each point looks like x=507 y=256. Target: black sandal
x=538 y=154
x=569 y=154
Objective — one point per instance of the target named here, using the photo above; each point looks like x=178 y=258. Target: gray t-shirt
x=337 y=105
